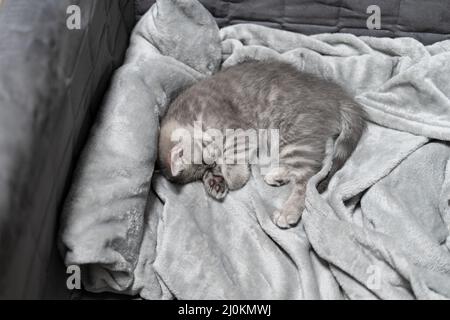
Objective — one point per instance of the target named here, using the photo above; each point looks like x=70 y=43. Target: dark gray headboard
x=427 y=21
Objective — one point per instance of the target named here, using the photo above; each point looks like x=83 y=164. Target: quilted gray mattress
x=427 y=21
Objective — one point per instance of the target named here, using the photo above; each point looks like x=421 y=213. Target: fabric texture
x=381 y=230
x=176 y=44
x=52 y=80
x=427 y=21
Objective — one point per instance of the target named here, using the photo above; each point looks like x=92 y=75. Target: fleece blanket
x=381 y=230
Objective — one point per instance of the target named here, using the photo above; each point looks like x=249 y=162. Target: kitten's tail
x=352 y=127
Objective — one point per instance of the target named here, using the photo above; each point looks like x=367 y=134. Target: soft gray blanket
x=380 y=231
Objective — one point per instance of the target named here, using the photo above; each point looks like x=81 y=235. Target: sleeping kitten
x=306 y=110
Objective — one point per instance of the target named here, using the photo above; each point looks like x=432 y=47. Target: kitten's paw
x=277 y=177
x=236 y=176
x=285 y=219
x=215 y=185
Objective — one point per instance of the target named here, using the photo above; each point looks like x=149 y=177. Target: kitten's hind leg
x=292 y=209
x=277 y=176
x=215 y=184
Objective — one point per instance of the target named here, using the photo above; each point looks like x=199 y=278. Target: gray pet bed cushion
x=380 y=231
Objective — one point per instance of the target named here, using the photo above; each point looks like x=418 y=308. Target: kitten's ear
x=176 y=161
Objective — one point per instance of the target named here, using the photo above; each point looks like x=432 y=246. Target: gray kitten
x=308 y=111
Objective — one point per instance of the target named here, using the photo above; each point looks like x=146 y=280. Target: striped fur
x=306 y=110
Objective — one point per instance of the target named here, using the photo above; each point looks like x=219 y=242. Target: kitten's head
x=180 y=155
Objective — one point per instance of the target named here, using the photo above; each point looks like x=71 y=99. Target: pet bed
x=381 y=230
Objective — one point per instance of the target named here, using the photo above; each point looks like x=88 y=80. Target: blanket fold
x=381 y=230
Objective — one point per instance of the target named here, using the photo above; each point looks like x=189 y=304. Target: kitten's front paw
x=285 y=219
x=277 y=177
x=215 y=185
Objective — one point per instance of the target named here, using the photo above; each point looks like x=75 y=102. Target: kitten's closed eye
x=176 y=160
